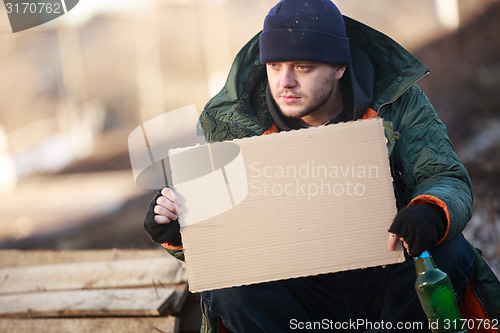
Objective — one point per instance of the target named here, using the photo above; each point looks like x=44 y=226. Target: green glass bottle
x=437 y=297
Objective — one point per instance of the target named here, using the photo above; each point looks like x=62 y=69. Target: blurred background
x=72 y=90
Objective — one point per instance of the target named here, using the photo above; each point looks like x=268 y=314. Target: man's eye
x=273 y=66
x=303 y=67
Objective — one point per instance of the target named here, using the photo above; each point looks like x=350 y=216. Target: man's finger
x=407 y=247
x=166 y=203
x=162 y=211
x=160 y=219
x=169 y=194
x=392 y=241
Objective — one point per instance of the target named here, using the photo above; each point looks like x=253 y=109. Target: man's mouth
x=287 y=98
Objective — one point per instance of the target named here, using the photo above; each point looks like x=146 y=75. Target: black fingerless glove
x=161 y=233
x=421 y=226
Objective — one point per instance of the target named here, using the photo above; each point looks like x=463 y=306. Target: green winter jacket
x=423 y=161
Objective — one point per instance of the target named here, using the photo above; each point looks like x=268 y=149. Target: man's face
x=304 y=89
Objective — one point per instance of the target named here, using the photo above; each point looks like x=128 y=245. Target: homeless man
x=312 y=67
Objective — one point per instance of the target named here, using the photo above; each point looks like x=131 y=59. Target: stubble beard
x=318 y=98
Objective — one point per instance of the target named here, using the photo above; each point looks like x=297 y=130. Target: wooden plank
x=90 y=275
x=82 y=303
x=98 y=325
x=18 y=258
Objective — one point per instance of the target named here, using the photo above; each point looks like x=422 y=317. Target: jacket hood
x=396 y=69
x=240 y=108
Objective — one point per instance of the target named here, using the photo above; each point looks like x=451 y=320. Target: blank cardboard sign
x=310 y=202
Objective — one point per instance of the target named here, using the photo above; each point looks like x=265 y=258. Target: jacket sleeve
x=430 y=170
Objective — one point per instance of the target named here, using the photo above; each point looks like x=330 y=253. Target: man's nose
x=287 y=79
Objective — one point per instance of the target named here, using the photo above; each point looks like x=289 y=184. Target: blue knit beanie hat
x=310 y=30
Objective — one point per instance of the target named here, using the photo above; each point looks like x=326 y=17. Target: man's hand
x=167 y=207
x=419 y=227
x=161 y=218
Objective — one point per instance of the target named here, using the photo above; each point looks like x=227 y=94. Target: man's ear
x=339 y=71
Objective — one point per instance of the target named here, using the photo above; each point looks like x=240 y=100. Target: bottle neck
x=424 y=262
